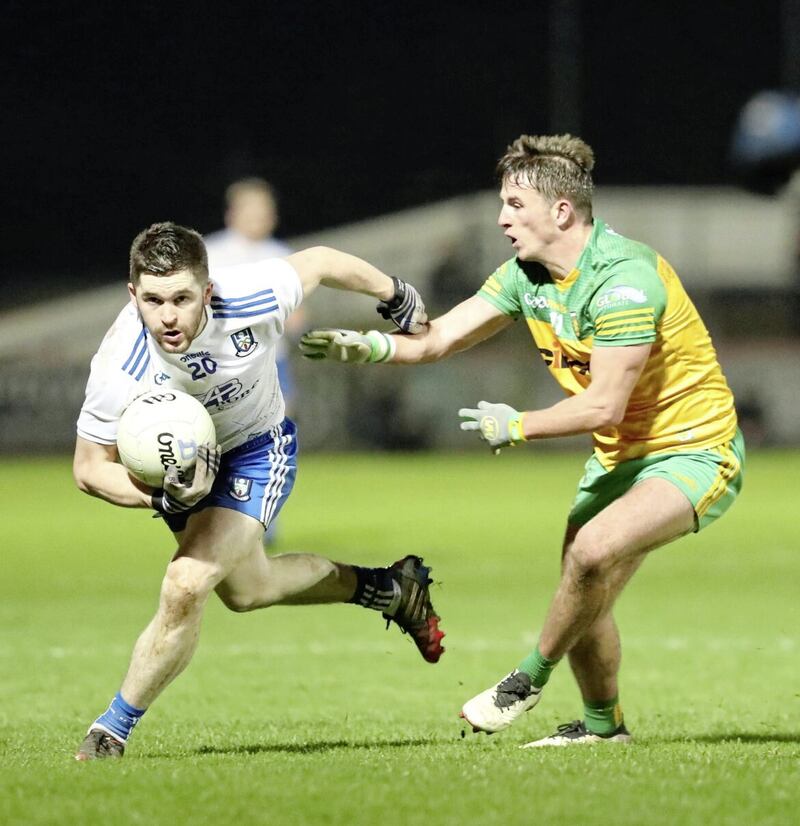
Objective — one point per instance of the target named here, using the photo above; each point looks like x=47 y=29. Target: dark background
x=115 y=118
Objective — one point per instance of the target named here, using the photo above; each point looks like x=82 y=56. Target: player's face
x=172 y=308
x=527 y=220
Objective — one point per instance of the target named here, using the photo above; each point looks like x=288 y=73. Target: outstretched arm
x=400 y=302
x=332 y=268
x=468 y=323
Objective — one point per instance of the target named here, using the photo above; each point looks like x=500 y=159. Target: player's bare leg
x=400 y=592
x=287 y=579
x=605 y=553
x=214 y=543
x=596 y=657
x=595 y=660
x=221 y=550
x=600 y=559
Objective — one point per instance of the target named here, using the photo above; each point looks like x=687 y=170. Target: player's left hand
x=499 y=425
x=405 y=308
x=177 y=496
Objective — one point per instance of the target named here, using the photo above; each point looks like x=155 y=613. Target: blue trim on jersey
x=255 y=478
x=264 y=300
x=143 y=370
x=217 y=300
x=227 y=314
x=261 y=302
x=138 y=351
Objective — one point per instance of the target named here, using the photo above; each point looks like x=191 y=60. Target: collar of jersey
x=565 y=283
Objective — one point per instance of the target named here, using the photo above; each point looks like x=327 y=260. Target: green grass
x=318 y=715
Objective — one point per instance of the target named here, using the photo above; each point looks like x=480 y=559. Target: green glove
x=499 y=424
x=347 y=345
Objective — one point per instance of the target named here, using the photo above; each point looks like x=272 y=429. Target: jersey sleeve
x=500 y=290
x=627 y=307
x=117 y=376
x=258 y=291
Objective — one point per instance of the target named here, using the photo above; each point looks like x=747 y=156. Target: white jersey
x=227 y=248
x=229 y=367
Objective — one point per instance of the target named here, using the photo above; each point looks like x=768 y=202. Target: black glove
x=175 y=496
x=405 y=309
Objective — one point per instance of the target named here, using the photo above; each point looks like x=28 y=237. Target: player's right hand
x=347 y=346
x=405 y=308
x=498 y=424
x=177 y=496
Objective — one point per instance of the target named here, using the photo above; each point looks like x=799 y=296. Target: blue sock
x=120 y=718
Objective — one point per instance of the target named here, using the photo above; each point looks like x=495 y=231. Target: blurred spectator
x=765 y=146
x=251 y=218
x=765 y=153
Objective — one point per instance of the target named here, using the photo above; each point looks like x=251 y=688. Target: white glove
x=499 y=425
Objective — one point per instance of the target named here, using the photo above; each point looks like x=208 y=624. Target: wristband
x=397 y=299
x=163 y=503
x=515 y=428
x=157 y=500
x=382 y=346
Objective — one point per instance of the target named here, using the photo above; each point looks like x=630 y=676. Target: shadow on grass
x=736 y=737
x=748 y=737
x=320 y=746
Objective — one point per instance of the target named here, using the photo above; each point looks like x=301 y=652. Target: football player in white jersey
x=216 y=340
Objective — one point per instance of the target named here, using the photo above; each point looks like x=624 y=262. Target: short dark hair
x=167 y=248
x=556 y=166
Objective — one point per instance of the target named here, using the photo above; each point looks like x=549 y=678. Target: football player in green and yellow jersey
x=617 y=331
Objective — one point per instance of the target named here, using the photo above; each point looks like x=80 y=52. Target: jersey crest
x=244 y=341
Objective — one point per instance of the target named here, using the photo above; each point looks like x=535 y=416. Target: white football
x=162 y=429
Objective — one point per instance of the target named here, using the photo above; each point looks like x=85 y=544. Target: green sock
x=537 y=667
x=602 y=717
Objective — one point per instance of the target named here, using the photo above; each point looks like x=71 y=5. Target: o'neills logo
x=166 y=452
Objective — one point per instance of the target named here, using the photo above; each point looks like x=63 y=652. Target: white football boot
x=576 y=734
x=501 y=705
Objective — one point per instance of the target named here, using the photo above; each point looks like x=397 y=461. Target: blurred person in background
x=765 y=156
x=617 y=331
x=251 y=218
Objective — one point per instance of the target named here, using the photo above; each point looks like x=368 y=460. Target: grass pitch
x=319 y=715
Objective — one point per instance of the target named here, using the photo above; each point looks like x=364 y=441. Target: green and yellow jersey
x=620 y=293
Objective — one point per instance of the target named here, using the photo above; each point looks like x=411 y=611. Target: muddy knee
x=186 y=586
